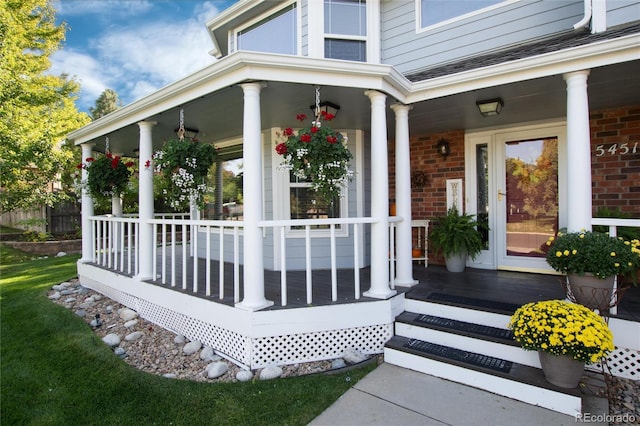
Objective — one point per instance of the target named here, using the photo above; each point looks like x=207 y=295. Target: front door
x=513 y=184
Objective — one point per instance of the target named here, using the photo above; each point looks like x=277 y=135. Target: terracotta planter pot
x=591 y=291
x=562 y=371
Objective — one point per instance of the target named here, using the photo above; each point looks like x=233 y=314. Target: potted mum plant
x=456 y=236
x=108 y=175
x=591 y=261
x=183 y=165
x=566 y=335
x=319 y=154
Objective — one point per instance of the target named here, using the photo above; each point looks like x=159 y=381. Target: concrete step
x=491 y=341
x=500 y=376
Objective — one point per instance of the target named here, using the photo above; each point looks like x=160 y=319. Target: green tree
x=107 y=102
x=37 y=109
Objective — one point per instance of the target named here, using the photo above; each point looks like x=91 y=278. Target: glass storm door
x=514 y=188
x=528 y=200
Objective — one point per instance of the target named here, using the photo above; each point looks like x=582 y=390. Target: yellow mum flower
x=558 y=253
x=566 y=252
x=613 y=254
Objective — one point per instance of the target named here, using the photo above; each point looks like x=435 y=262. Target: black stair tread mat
x=464 y=301
x=517 y=372
x=485 y=332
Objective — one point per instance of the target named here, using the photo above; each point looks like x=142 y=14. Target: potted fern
x=456 y=236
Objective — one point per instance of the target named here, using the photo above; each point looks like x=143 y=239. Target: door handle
x=501 y=194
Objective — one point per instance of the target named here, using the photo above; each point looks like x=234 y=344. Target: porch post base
x=142 y=278
x=247 y=307
x=406 y=283
x=385 y=295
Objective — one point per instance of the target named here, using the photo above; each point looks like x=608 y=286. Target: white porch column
x=145 y=201
x=379 y=199
x=578 y=152
x=252 y=187
x=87 y=207
x=404 y=261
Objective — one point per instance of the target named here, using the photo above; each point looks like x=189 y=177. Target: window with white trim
x=433 y=12
x=277 y=33
x=304 y=205
x=345 y=30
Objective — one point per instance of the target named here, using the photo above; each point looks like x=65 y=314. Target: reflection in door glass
x=482 y=179
x=532 y=195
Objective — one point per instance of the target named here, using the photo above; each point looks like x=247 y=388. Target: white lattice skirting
x=259 y=352
x=289 y=339
x=622 y=362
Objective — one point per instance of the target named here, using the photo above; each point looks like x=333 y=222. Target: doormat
x=470 y=301
x=459 y=355
x=467 y=327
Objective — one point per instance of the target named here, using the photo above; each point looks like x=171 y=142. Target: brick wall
x=616 y=167
x=430 y=199
x=615 y=159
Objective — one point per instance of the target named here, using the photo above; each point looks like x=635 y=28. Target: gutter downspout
x=587 y=15
x=595 y=12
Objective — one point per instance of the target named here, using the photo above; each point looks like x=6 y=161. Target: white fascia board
x=240 y=67
x=622 y=49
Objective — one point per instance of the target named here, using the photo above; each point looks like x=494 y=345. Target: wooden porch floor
x=501 y=286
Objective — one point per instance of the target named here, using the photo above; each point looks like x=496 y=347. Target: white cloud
x=136 y=46
x=83 y=68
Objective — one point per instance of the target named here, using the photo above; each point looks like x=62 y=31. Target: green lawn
x=56 y=372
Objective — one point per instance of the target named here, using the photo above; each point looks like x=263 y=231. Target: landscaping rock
x=244 y=376
x=353 y=356
x=61 y=254
x=169 y=376
x=55 y=296
x=216 y=369
x=131 y=323
x=338 y=363
x=270 y=372
x=127 y=314
x=191 y=347
x=87 y=305
x=120 y=352
x=81 y=313
x=179 y=339
x=111 y=339
x=207 y=354
x=133 y=336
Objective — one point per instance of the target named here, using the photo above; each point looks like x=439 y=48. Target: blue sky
x=132 y=46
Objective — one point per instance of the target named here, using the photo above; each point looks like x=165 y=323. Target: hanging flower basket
x=108 y=175
x=318 y=154
x=183 y=166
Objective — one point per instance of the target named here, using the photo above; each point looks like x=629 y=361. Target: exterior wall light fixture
x=443 y=147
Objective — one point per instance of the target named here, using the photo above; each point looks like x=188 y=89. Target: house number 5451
x=622 y=149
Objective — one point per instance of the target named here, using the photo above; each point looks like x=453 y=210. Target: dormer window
x=345 y=30
x=276 y=33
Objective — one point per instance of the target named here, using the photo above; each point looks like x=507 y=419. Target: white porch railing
x=166 y=234
x=116 y=246
x=354 y=226
x=614 y=224
x=114 y=243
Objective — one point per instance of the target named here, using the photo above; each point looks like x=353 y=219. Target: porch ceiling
x=219 y=115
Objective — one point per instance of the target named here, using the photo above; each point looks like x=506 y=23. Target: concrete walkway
x=392 y=395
